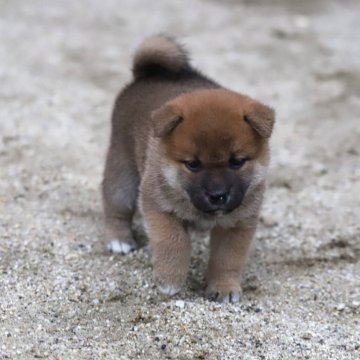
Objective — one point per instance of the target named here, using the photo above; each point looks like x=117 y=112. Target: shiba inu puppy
x=190 y=154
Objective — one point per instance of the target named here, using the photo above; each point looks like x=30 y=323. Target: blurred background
x=62 y=296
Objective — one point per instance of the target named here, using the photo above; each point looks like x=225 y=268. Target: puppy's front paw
x=170 y=285
x=224 y=293
x=119 y=247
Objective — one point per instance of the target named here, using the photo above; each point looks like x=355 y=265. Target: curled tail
x=157 y=55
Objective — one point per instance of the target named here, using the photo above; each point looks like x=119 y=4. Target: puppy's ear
x=165 y=119
x=261 y=118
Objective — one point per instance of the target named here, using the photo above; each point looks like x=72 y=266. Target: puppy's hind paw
x=119 y=247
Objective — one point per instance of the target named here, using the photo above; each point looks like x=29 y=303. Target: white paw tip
x=118 y=247
x=235 y=297
x=169 y=290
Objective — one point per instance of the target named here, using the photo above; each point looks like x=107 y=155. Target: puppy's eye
x=193 y=165
x=235 y=163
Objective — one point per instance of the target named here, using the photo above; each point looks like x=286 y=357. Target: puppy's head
x=214 y=146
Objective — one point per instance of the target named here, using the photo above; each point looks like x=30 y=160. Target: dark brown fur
x=169 y=115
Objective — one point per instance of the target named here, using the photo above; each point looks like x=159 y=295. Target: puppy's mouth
x=218 y=212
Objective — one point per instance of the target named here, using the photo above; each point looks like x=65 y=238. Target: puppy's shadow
x=200 y=242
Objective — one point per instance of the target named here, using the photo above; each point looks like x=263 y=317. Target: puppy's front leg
x=229 y=248
x=170 y=245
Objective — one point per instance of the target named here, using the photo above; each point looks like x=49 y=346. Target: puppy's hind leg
x=119 y=189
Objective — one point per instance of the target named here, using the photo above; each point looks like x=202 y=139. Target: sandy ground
x=63 y=297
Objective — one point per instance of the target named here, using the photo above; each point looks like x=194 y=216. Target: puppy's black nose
x=217 y=197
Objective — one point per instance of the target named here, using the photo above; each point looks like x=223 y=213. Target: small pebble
x=180 y=304
x=308 y=335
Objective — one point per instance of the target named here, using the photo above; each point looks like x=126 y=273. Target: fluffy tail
x=157 y=55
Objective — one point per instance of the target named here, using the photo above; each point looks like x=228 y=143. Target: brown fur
x=168 y=115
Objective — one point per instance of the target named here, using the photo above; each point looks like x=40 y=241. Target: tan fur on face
x=213 y=126
x=170 y=114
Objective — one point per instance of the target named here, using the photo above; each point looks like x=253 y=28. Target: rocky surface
x=62 y=296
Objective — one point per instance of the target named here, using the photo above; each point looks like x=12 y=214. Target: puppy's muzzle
x=217 y=198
